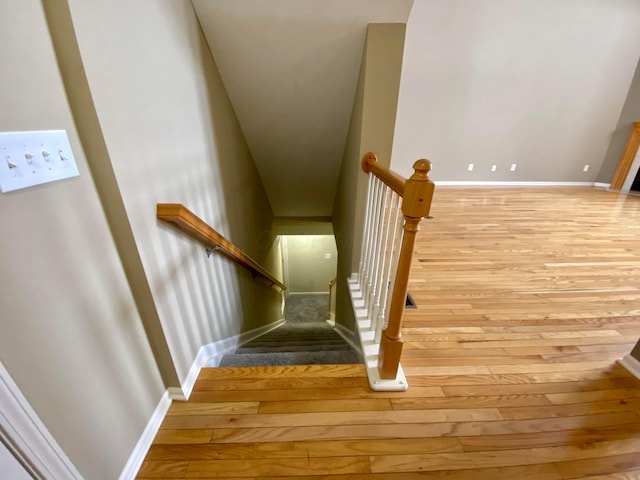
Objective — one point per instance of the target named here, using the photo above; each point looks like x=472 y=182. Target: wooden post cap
x=421 y=169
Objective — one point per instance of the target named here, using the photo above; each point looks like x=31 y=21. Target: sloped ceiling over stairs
x=290 y=68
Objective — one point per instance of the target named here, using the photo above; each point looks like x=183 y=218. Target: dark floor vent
x=410 y=303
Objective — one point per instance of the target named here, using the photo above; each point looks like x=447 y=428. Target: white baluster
x=365 y=231
x=386 y=253
x=377 y=247
x=380 y=254
x=375 y=221
x=393 y=256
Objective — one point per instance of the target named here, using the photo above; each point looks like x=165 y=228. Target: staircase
x=308 y=343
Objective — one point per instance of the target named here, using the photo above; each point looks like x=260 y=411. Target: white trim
x=28 y=438
x=176 y=393
x=601 y=185
x=208 y=356
x=132 y=467
x=370 y=349
x=631 y=364
x=214 y=352
x=348 y=336
x=456 y=183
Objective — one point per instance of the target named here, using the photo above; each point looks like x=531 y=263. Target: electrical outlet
x=585 y=168
x=493 y=168
x=513 y=167
x=470 y=167
x=33 y=158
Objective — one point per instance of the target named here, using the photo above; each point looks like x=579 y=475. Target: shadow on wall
x=245 y=204
x=206 y=165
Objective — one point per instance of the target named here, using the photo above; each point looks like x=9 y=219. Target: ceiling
x=291 y=68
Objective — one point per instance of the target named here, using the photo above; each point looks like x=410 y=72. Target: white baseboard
x=348 y=337
x=27 y=437
x=141 y=449
x=210 y=355
x=601 y=185
x=457 y=183
x=215 y=351
x=177 y=393
x=202 y=357
x=631 y=364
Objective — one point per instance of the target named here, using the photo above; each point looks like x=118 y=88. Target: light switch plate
x=34 y=158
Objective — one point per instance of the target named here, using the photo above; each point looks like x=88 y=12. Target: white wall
x=71 y=336
x=540 y=83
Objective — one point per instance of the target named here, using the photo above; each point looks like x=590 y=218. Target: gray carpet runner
x=307 y=343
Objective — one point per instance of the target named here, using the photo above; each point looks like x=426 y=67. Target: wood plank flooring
x=526 y=299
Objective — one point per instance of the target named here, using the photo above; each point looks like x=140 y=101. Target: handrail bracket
x=187 y=221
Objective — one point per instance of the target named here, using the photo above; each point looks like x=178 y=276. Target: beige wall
x=302 y=226
x=307 y=269
x=172 y=136
x=71 y=336
x=106 y=308
x=290 y=67
x=540 y=83
x=371 y=129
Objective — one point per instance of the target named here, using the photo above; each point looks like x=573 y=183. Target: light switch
x=34 y=158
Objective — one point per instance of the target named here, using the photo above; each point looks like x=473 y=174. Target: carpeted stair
x=308 y=343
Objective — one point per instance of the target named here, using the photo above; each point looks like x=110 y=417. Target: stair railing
x=187 y=221
x=395 y=207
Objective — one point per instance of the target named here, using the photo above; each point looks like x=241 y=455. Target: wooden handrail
x=189 y=222
x=416 y=193
x=390 y=178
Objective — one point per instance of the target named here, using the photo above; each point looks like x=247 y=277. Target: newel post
x=416 y=203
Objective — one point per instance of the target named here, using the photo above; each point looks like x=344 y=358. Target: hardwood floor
x=526 y=299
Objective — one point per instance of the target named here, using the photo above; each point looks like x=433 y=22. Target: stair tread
x=296 y=335
x=293 y=348
x=294 y=344
x=289 y=371
x=290 y=358
x=277 y=343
